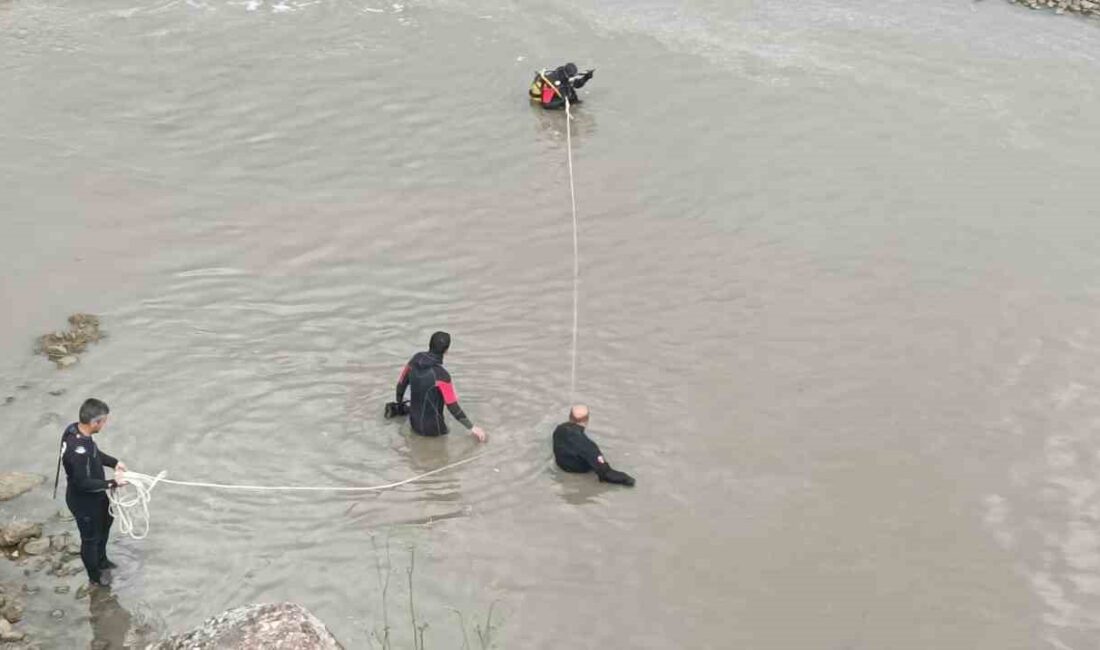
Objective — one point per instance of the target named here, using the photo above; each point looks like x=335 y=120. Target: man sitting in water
x=431 y=390
x=550 y=88
x=574 y=451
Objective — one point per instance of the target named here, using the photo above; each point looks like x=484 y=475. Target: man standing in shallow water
x=574 y=451
x=86 y=487
x=432 y=389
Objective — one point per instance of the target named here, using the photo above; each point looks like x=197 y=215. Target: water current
x=839 y=311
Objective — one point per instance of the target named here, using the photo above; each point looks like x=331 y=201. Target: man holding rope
x=86 y=487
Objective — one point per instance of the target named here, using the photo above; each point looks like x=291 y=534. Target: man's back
x=426 y=374
x=574 y=451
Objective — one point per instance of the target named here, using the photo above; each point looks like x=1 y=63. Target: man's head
x=93 y=414
x=579 y=414
x=570 y=69
x=439 y=343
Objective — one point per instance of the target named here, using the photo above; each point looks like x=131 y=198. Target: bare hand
x=121 y=467
x=119 y=482
x=480 y=434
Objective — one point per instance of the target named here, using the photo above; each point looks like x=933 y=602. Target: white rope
x=576 y=250
x=129 y=504
x=124 y=502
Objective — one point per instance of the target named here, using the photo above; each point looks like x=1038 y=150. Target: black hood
x=439 y=343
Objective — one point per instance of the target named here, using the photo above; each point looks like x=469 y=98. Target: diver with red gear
x=550 y=88
x=431 y=390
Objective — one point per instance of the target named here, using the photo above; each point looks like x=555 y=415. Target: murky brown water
x=839 y=311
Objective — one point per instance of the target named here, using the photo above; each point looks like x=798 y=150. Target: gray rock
x=61 y=589
x=57 y=392
x=57 y=614
x=252 y=627
x=7 y=633
x=13 y=611
x=17 y=531
x=83 y=591
x=12 y=484
x=72 y=548
x=67 y=361
x=36 y=546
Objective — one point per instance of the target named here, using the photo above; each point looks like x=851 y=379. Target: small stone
x=57 y=542
x=75 y=569
x=83 y=590
x=36 y=546
x=72 y=548
x=66 y=362
x=13 y=611
x=57 y=614
x=12 y=484
x=7 y=633
x=30 y=589
x=64 y=515
x=17 y=531
x=57 y=392
x=9 y=399
x=61 y=589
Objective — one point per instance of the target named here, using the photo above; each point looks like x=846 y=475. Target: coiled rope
x=129 y=504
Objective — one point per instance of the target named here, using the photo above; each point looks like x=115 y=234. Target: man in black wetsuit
x=574 y=451
x=86 y=489
x=431 y=391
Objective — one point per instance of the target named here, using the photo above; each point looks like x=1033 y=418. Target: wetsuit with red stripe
x=432 y=389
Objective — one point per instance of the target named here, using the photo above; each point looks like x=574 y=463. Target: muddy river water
x=840 y=311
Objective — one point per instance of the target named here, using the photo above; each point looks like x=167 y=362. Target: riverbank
x=1082 y=7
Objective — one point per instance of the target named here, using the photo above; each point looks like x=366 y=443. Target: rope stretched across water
x=576 y=250
x=130 y=507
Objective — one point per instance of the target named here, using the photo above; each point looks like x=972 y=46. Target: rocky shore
x=42 y=579
x=36 y=561
x=1083 y=7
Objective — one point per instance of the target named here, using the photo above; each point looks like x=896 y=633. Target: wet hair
x=93 y=409
x=440 y=342
x=570 y=69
